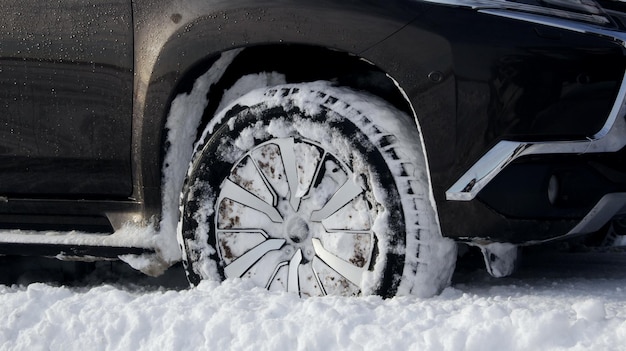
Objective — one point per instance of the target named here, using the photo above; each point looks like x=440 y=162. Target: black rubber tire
x=384 y=157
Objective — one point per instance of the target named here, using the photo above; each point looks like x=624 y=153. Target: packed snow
x=555 y=302
x=182 y=124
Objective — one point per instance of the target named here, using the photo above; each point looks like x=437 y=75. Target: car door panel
x=65 y=98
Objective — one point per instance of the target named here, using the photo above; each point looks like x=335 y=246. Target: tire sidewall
x=336 y=130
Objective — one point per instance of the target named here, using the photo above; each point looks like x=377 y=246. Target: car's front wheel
x=317 y=190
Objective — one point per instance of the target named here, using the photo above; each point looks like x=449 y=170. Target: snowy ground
x=556 y=302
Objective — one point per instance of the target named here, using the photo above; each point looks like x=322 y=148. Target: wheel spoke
x=316 y=175
x=266 y=181
x=346 y=269
x=241 y=265
x=273 y=276
x=348 y=191
x=360 y=242
x=347 y=231
x=293 y=284
x=318 y=281
x=238 y=194
x=244 y=231
x=288 y=155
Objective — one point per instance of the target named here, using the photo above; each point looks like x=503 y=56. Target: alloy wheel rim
x=291 y=216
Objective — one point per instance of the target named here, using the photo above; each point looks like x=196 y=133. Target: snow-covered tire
x=313 y=189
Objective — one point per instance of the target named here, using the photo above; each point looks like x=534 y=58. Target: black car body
x=520 y=105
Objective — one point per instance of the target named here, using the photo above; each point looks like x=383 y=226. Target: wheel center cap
x=297 y=229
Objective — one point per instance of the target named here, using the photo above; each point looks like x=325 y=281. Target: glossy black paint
x=57 y=214
x=66 y=91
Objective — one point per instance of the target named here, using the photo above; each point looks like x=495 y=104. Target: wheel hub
x=297 y=230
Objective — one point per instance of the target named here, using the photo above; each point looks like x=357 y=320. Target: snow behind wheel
x=317 y=190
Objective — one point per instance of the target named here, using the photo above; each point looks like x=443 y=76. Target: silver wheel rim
x=291 y=216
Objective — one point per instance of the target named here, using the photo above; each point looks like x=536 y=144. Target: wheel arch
x=346 y=69
x=363 y=45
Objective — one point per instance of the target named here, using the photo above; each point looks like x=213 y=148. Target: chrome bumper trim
x=611 y=138
x=505 y=152
x=487 y=5
x=608 y=207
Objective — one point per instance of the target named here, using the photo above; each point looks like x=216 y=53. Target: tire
x=313 y=189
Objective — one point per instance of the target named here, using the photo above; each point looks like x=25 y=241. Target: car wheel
x=313 y=189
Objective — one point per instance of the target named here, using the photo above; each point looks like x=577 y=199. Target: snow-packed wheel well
x=207 y=85
x=298 y=63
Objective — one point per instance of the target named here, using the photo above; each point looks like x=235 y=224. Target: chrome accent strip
x=482 y=5
x=559 y=22
x=611 y=138
x=483 y=171
x=608 y=207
